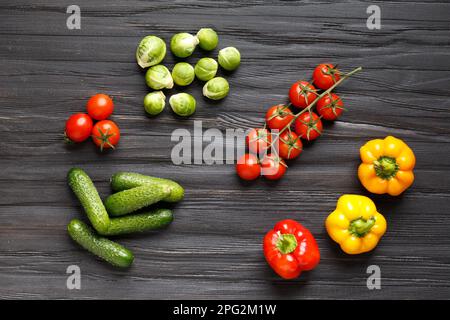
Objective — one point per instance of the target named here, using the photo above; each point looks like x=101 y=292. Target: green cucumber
x=128 y=180
x=84 y=189
x=141 y=222
x=130 y=200
x=108 y=250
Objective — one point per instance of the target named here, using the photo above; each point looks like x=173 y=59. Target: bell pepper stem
x=286 y=243
x=360 y=227
x=385 y=167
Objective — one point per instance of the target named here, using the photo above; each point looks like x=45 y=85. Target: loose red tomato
x=330 y=106
x=100 y=106
x=248 y=167
x=289 y=145
x=308 y=126
x=258 y=140
x=278 y=117
x=78 y=127
x=302 y=93
x=106 y=134
x=325 y=75
x=273 y=168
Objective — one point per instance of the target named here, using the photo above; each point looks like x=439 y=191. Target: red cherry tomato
x=106 y=134
x=302 y=93
x=278 y=117
x=248 y=167
x=78 y=127
x=325 y=75
x=308 y=126
x=100 y=106
x=330 y=106
x=258 y=140
x=273 y=168
x=289 y=145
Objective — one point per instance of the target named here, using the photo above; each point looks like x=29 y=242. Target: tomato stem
x=312 y=104
x=104 y=138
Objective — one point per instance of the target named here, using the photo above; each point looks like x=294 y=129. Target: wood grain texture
x=213 y=248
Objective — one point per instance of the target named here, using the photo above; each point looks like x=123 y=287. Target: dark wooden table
x=213 y=248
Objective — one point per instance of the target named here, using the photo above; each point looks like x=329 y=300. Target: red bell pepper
x=290 y=248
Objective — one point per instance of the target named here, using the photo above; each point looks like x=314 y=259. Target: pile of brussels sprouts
x=152 y=50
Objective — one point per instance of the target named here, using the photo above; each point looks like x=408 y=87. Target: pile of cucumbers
x=134 y=191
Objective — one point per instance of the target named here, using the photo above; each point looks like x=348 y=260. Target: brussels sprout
x=216 y=89
x=183 y=74
x=158 y=77
x=207 y=38
x=229 y=58
x=206 y=69
x=154 y=102
x=183 y=104
x=150 y=51
x=183 y=44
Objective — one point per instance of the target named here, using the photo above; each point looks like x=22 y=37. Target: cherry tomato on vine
x=100 y=106
x=308 y=126
x=302 y=93
x=258 y=140
x=278 y=117
x=248 y=167
x=106 y=134
x=289 y=145
x=78 y=127
x=330 y=106
x=273 y=168
x=325 y=75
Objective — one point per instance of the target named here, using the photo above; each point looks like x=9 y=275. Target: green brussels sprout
x=229 y=58
x=183 y=104
x=183 y=74
x=216 y=89
x=206 y=69
x=158 y=77
x=154 y=102
x=150 y=51
x=183 y=44
x=207 y=38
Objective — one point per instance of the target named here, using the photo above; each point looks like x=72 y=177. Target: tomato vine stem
x=312 y=104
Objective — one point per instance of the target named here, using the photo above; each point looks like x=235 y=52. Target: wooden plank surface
x=213 y=248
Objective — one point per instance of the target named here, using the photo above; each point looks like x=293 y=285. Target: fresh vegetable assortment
x=136 y=192
x=80 y=126
x=284 y=130
x=289 y=248
x=151 y=52
x=355 y=224
x=387 y=167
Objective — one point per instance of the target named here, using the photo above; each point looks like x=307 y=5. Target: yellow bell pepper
x=355 y=224
x=387 y=166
